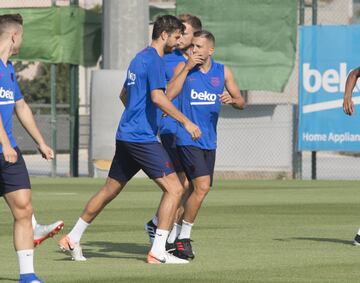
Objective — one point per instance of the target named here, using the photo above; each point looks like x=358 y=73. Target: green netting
x=156 y=12
x=60 y=35
x=256 y=39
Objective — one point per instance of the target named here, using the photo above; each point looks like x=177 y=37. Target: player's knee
x=176 y=190
x=179 y=191
x=109 y=193
x=23 y=211
x=111 y=189
x=202 y=189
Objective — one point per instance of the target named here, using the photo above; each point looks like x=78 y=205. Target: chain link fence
x=34 y=79
x=260 y=144
x=332 y=165
x=256 y=143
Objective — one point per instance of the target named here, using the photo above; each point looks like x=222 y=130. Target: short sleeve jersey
x=146 y=72
x=9 y=94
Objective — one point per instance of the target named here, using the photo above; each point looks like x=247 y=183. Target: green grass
x=247 y=231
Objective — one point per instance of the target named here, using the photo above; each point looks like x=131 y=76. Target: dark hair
x=192 y=20
x=207 y=34
x=7 y=19
x=166 y=23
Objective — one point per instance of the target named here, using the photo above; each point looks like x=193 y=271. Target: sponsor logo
x=204 y=97
x=131 y=78
x=168 y=164
x=331 y=80
x=215 y=81
x=8 y=94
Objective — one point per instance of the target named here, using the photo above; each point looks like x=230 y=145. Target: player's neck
x=159 y=47
x=204 y=68
x=5 y=53
x=185 y=52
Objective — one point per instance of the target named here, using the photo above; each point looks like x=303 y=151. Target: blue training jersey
x=9 y=94
x=167 y=124
x=138 y=122
x=200 y=102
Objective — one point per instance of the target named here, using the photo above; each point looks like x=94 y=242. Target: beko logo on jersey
x=205 y=97
x=6 y=94
x=131 y=78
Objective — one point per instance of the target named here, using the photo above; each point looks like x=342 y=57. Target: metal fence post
x=297 y=155
x=53 y=117
x=74 y=116
x=53 y=112
x=313 y=153
x=74 y=121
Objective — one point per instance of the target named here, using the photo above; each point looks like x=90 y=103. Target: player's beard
x=168 y=49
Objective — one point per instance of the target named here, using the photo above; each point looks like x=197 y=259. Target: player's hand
x=193 y=130
x=10 y=154
x=46 y=151
x=194 y=59
x=226 y=98
x=348 y=106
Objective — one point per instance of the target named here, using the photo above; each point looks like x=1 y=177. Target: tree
x=37 y=90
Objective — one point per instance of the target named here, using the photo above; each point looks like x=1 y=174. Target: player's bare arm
x=27 y=120
x=159 y=98
x=233 y=96
x=123 y=96
x=180 y=72
x=348 y=104
x=9 y=153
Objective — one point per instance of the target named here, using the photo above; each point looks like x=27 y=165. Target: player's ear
x=211 y=51
x=164 y=35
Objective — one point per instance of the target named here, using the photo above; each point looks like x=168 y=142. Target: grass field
x=247 y=231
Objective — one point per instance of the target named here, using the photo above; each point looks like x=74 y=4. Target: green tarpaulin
x=256 y=39
x=60 y=35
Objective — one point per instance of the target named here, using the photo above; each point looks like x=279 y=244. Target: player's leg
x=151 y=225
x=169 y=204
x=199 y=167
x=19 y=202
x=176 y=229
x=201 y=187
x=122 y=169
x=15 y=188
x=168 y=141
x=155 y=162
x=71 y=241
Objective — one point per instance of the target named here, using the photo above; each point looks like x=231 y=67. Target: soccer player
x=14 y=178
x=136 y=142
x=168 y=125
x=348 y=106
x=200 y=88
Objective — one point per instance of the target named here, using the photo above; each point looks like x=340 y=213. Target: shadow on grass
x=328 y=240
x=8 y=279
x=102 y=249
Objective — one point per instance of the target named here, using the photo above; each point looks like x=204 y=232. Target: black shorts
x=169 y=143
x=13 y=176
x=130 y=157
x=197 y=162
